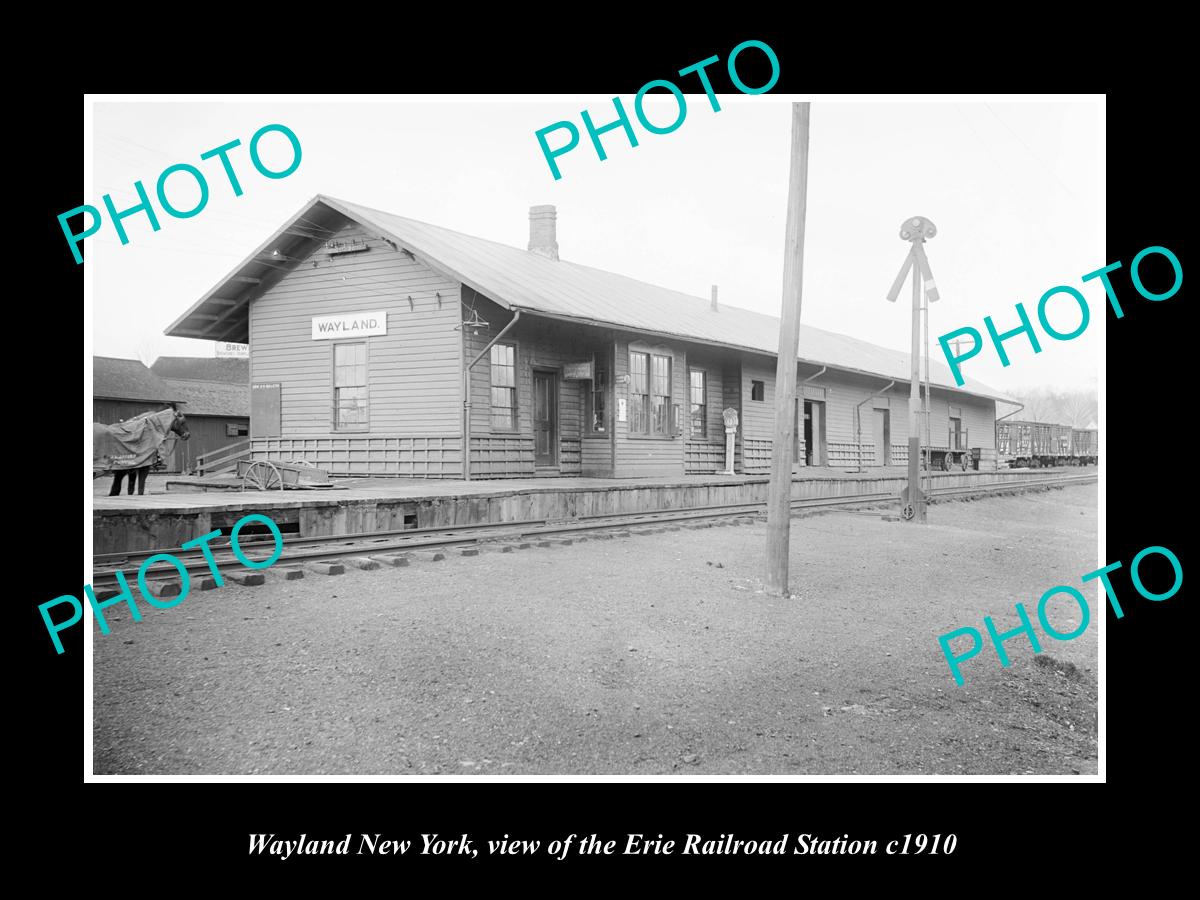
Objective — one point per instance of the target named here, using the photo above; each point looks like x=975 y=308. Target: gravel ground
x=648 y=654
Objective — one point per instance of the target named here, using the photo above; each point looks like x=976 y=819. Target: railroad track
x=309 y=549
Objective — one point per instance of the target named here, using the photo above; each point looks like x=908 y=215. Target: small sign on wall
x=350 y=325
x=578 y=371
x=622 y=408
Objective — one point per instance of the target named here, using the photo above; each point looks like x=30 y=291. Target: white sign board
x=226 y=350
x=349 y=325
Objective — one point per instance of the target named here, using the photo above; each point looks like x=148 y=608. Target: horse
x=132 y=447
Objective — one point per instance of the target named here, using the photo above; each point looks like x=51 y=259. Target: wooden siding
x=544 y=345
x=596 y=456
x=108 y=412
x=208 y=433
x=413 y=372
x=758 y=416
x=843 y=392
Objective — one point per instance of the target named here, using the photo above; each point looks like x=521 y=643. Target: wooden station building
x=377 y=341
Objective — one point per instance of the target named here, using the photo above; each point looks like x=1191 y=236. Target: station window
x=236 y=429
x=650 y=394
x=758 y=390
x=350 y=387
x=504 y=387
x=699 y=393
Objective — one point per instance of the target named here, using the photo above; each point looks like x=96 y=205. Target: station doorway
x=883 y=437
x=545 y=419
x=814 y=433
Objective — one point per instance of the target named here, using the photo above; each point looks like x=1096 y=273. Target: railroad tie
x=392 y=559
x=362 y=562
x=247 y=579
x=162 y=589
x=327 y=568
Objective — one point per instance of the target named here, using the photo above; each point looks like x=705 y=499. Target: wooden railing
x=223 y=458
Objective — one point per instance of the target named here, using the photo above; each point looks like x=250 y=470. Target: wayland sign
x=351 y=325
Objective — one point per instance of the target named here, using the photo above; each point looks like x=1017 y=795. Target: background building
x=216 y=394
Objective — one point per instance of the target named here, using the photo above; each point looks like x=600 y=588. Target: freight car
x=1038 y=444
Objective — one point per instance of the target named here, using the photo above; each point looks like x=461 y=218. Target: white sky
x=1013 y=188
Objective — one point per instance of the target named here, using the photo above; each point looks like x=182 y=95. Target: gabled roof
x=128 y=379
x=231 y=370
x=212 y=398
x=519 y=279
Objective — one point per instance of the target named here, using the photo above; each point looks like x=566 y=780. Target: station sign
x=349 y=325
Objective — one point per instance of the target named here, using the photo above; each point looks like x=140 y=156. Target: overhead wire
x=1029 y=149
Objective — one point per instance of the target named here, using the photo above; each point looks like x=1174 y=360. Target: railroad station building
x=377 y=342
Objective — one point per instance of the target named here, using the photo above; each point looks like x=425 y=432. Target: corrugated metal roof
x=212 y=398
x=519 y=278
x=128 y=379
x=231 y=370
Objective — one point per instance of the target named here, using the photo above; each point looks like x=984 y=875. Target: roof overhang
x=223 y=314
x=741 y=348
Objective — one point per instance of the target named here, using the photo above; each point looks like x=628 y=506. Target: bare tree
x=1076 y=408
x=1039 y=406
x=147 y=350
x=1080 y=409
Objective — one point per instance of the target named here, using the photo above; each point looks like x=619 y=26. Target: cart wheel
x=907 y=511
x=262 y=475
x=947 y=462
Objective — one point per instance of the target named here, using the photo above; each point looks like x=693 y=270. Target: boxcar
x=1085 y=446
x=1038 y=444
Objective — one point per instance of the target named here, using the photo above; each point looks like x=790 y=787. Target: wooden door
x=814 y=431
x=545 y=420
x=883 y=437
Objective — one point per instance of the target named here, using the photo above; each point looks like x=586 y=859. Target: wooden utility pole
x=779 y=496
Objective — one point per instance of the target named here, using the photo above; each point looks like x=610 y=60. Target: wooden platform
x=166 y=520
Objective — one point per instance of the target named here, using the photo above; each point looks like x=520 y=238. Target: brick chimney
x=543 y=233
x=714 y=299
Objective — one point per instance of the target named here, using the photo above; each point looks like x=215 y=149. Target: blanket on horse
x=130 y=444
